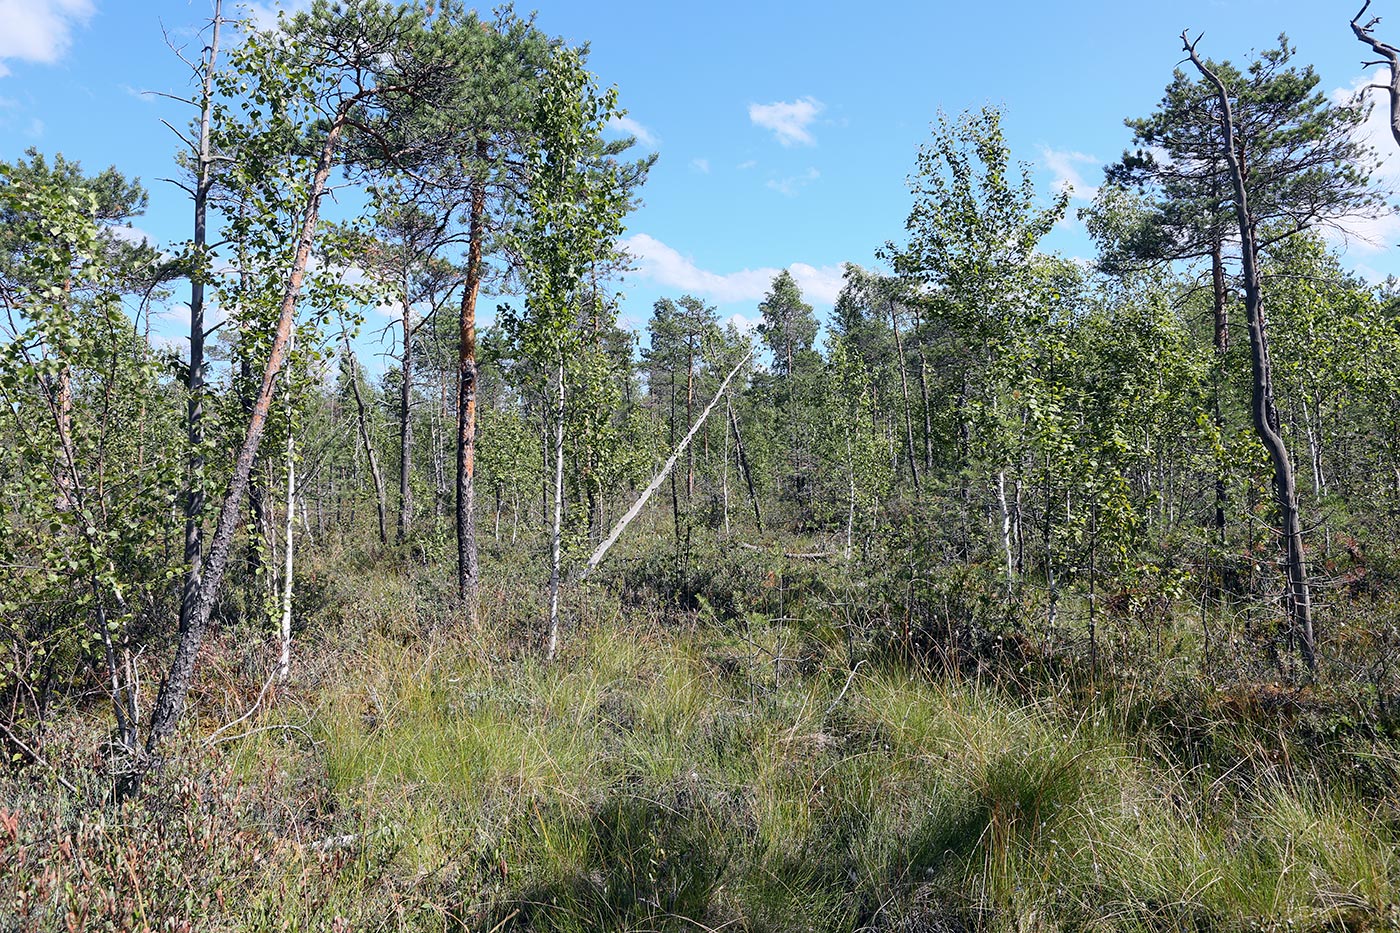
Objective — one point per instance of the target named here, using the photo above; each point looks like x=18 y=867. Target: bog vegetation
x=1025 y=594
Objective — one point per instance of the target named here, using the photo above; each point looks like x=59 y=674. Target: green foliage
x=1000 y=654
x=86 y=485
x=1304 y=164
x=664 y=776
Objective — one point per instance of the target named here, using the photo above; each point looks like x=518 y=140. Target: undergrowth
x=688 y=767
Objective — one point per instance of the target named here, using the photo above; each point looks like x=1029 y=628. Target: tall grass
x=736 y=773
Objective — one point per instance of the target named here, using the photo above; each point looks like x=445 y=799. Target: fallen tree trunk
x=791 y=555
x=660 y=477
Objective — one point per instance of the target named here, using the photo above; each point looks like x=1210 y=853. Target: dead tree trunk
x=744 y=464
x=1265 y=413
x=406 y=424
x=381 y=506
x=194 y=492
x=689 y=416
x=1222 y=346
x=1389 y=56
x=656 y=480
x=675 y=496
x=724 y=476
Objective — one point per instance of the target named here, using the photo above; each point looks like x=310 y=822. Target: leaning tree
x=1265 y=145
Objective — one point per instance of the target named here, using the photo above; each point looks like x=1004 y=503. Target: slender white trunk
x=1314 y=447
x=1006 y=533
x=724 y=480
x=851 y=512
x=557 y=526
x=284 y=659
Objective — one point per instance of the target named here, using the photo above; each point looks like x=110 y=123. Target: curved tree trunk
x=170 y=701
x=1265 y=413
x=1390 y=56
x=904 y=388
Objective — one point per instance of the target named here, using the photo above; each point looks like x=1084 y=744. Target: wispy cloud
x=667 y=266
x=791 y=185
x=1377 y=231
x=630 y=127
x=131 y=234
x=264 y=15
x=701 y=165
x=1068 y=166
x=743 y=323
x=146 y=97
x=747 y=164
x=39 y=30
x=788 y=120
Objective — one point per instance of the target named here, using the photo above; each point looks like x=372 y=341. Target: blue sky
x=785 y=131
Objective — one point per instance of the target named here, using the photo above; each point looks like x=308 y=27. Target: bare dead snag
x=744 y=463
x=194 y=417
x=1389 y=56
x=406 y=423
x=377 y=475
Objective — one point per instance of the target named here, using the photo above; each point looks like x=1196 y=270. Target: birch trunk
x=284 y=658
x=170 y=701
x=556 y=529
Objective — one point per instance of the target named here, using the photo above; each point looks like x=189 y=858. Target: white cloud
x=747 y=164
x=166 y=342
x=819 y=283
x=701 y=165
x=264 y=15
x=790 y=186
x=743 y=324
x=1067 y=167
x=1372 y=276
x=39 y=30
x=629 y=127
x=666 y=266
x=35 y=128
x=1371 y=234
x=788 y=120
x=176 y=319
x=130 y=234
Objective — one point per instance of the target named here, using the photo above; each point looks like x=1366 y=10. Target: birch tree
x=576 y=203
